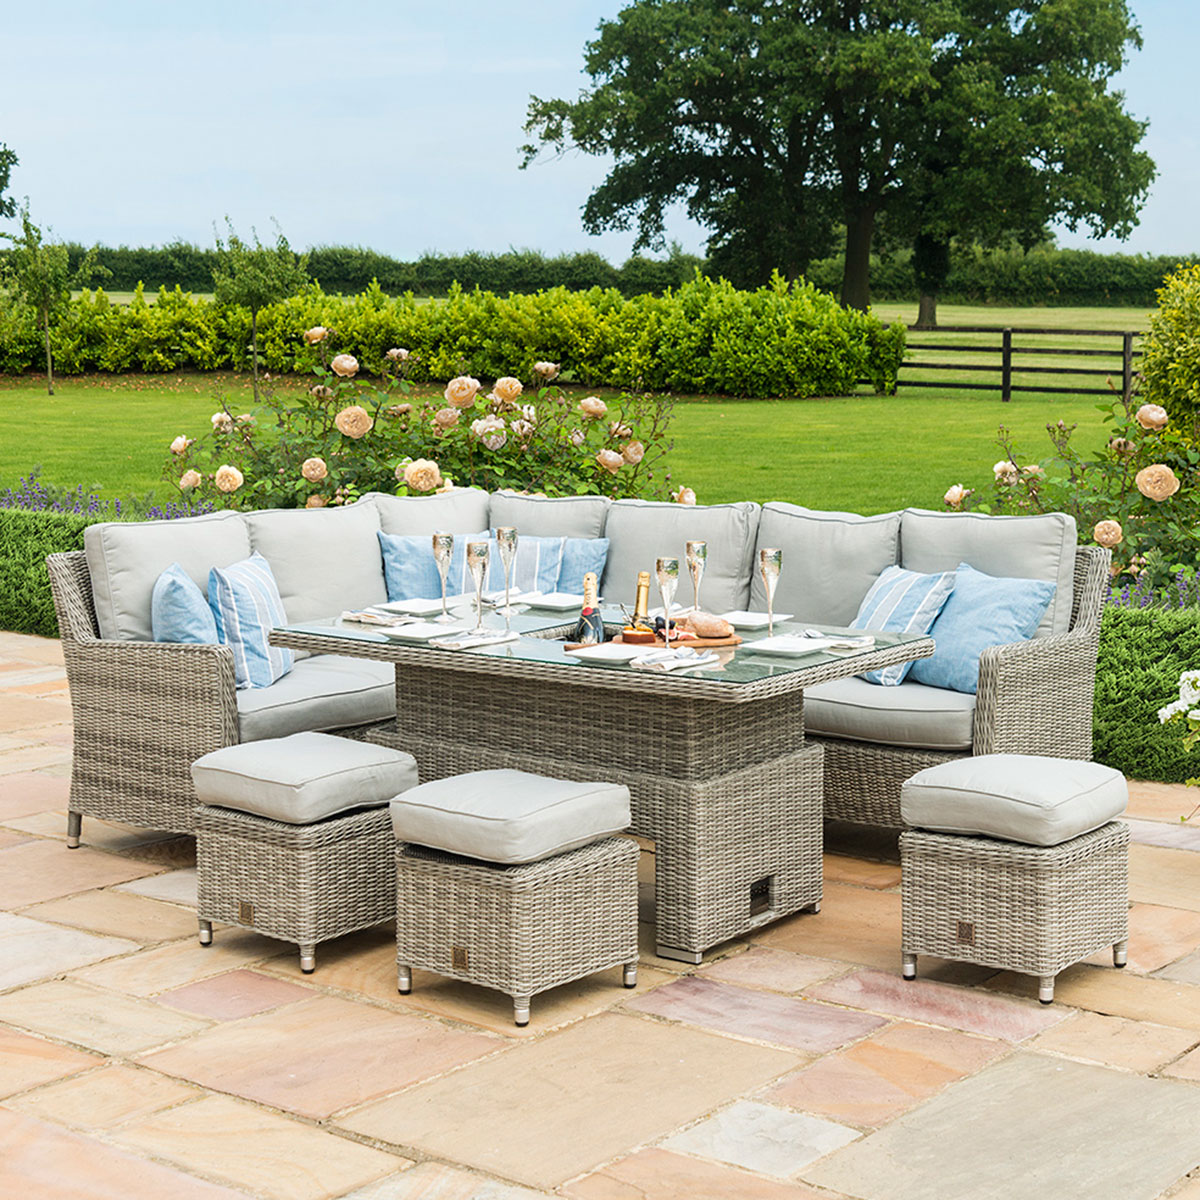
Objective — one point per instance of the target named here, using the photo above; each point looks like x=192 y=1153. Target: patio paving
x=793 y=1065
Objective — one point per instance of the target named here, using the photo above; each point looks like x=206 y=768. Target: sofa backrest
x=1041 y=546
x=464 y=510
x=640 y=531
x=830 y=560
x=550 y=516
x=125 y=558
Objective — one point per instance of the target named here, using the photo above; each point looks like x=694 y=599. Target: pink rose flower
x=344 y=365
x=228 y=479
x=354 y=422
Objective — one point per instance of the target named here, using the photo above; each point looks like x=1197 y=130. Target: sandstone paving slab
x=25 y=793
x=939 y=1004
x=875 y=1080
x=548 y=1110
x=1116 y=1042
x=1073 y=1128
x=29 y=647
x=104 y=1099
x=1182 y=970
x=97 y=1019
x=762 y=1138
x=32 y=950
x=246 y=1147
x=25 y=712
x=234 y=995
x=1173 y=836
x=861 y=872
x=98 y=835
x=175 y=887
x=773 y=970
x=1157 y=936
x=655 y=1174
x=1189 y=1191
x=1166 y=877
x=10 y=837
x=27 y=1062
x=320 y=1055
x=812 y=1028
x=118 y=914
x=53 y=761
x=42 y=870
x=41 y=1160
x=1167 y=802
x=855 y=925
x=437 y=1181
x=1185 y=1067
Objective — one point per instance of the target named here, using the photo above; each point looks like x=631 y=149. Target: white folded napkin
x=469 y=641
x=675 y=660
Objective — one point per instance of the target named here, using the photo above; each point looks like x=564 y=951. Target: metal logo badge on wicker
x=245 y=912
x=458 y=958
x=966 y=933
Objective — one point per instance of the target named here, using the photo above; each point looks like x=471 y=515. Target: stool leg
x=1120 y=953
x=1046 y=989
x=630 y=979
x=521 y=1010
x=404 y=980
x=205 y=932
x=308 y=958
x=908 y=967
x=74 y=827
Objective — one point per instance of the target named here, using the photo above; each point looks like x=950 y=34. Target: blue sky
x=391 y=125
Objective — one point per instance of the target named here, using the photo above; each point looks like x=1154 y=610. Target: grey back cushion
x=546 y=516
x=830 y=560
x=639 y=531
x=464 y=510
x=126 y=557
x=325 y=560
x=1034 y=547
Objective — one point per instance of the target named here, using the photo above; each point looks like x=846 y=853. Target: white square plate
x=419 y=607
x=609 y=652
x=558 y=601
x=422 y=631
x=740 y=618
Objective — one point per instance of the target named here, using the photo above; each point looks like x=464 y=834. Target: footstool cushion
x=509 y=817
x=302 y=778
x=1031 y=799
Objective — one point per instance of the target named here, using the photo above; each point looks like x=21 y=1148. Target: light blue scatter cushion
x=581 y=555
x=983 y=611
x=902 y=601
x=410 y=570
x=179 y=611
x=245 y=601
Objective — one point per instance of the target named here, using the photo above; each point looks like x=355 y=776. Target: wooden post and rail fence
x=1016 y=342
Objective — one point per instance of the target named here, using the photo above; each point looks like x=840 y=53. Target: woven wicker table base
x=520 y=929
x=1032 y=909
x=301 y=883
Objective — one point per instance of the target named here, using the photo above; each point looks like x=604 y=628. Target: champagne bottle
x=641 y=606
x=590 y=630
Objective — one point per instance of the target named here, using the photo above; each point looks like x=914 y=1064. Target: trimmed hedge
x=26 y=605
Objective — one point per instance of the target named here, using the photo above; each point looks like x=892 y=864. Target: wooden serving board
x=703 y=643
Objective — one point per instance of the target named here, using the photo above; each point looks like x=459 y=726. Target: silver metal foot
x=205 y=932
x=908 y=966
x=630 y=978
x=404 y=980
x=521 y=1010
x=1120 y=954
x=695 y=957
x=815 y=907
x=308 y=959
x=74 y=828
x=1046 y=989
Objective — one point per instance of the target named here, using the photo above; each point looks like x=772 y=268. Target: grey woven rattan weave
x=519 y=929
x=1031 y=909
x=1034 y=697
x=301 y=883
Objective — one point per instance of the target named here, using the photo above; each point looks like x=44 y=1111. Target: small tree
x=39 y=273
x=255 y=276
x=8 y=160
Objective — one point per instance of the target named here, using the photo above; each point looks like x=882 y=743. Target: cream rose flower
x=546 y=371
x=955 y=495
x=318 y=333
x=189 y=480
x=522 y=429
x=593 y=406
x=315 y=501
x=1005 y=471
x=228 y=479
x=398 y=354
x=461 y=391
x=180 y=444
x=314 y=469
x=1121 y=446
x=1156 y=482
x=422 y=475
x=354 y=422
x=445 y=418
x=222 y=422
x=491 y=431
x=610 y=460
x=1151 y=416
x=684 y=495
x=507 y=389
x=1108 y=533
x=1033 y=471
x=633 y=452
x=321 y=392
x=399 y=410
x=344 y=365
x=529 y=413
x=619 y=429
x=578 y=437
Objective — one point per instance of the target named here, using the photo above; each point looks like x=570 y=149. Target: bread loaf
x=706 y=625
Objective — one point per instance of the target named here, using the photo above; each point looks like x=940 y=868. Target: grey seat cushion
x=509 y=816
x=830 y=560
x=1018 y=797
x=550 y=516
x=910 y=715
x=1034 y=547
x=325 y=691
x=125 y=558
x=303 y=778
x=464 y=510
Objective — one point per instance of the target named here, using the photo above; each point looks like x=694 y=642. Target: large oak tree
x=776 y=121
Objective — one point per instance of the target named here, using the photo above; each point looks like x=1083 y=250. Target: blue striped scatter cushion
x=902 y=601
x=245 y=602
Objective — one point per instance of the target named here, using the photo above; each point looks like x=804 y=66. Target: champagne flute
x=769 y=563
x=506 y=540
x=443 y=550
x=697 y=557
x=666 y=571
x=477 y=562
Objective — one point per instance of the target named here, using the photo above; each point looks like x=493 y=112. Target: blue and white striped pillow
x=245 y=602
x=902 y=601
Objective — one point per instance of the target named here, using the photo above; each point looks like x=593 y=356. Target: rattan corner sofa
x=144 y=711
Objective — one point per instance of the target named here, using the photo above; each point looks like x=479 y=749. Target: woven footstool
x=1013 y=861
x=293 y=838
x=515 y=882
